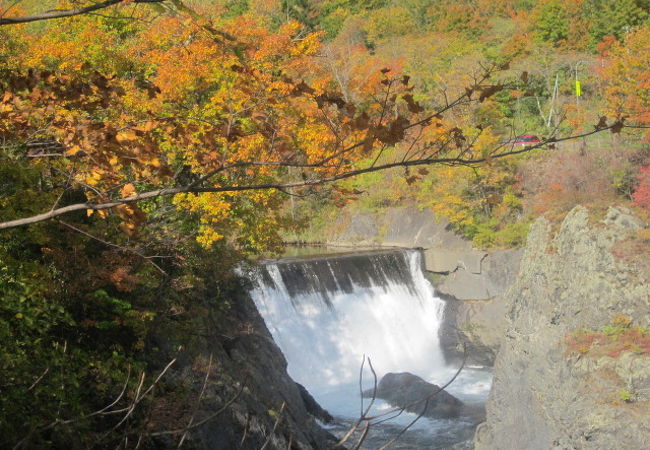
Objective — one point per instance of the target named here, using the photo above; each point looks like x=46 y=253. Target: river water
x=329 y=311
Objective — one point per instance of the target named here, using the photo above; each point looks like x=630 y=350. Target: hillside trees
x=170 y=120
x=626 y=76
x=227 y=117
x=270 y=117
x=69 y=9
x=615 y=18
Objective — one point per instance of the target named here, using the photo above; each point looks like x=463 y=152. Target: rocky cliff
x=573 y=369
x=229 y=387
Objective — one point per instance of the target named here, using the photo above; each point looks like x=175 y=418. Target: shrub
x=557 y=182
x=615 y=338
x=641 y=195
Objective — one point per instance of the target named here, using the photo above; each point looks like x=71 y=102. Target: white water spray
x=386 y=312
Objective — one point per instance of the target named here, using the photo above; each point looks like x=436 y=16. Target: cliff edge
x=573 y=369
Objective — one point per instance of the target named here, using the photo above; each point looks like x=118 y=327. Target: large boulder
x=405 y=390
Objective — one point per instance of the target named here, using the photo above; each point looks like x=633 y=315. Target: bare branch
x=38 y=380
x=394 y=412
x=426 y=400
x=363 y=436
x=275 y=426
x=198 y=402
x=204 y=421
x=193 y=188
x=119 y=247
x=57 y=14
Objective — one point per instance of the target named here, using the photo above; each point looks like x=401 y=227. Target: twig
x=363 y=436
x=417 y=402
x=426 y=405
x=56 y=14
x=371 y=420
x=246 y=425
x=38 y=380
x=164 y=192
x=363 y=413
x=120 y=247
x=206 y=420
x=198 y=402
x=65 y=422
x=275 y=426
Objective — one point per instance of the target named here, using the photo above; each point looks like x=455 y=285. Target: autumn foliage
x=641 y=195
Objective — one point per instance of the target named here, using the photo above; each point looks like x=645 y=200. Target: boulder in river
x=405 y=390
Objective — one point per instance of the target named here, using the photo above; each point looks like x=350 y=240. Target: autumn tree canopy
x=225 y=114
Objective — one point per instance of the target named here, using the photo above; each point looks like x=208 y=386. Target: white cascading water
x=324 y=335
x=327 y=312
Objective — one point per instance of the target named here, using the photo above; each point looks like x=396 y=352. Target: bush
x=558 y=181
x=641 y=195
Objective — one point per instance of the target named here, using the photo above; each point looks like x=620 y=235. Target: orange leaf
x=128 y=190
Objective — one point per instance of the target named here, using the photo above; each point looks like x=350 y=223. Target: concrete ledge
x=474 y=275
x=441 y=261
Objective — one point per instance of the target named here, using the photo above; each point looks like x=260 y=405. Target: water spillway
x=327 y=312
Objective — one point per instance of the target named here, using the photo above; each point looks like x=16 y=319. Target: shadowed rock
x=402 y=389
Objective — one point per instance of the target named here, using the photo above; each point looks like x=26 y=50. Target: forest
x=149 y=146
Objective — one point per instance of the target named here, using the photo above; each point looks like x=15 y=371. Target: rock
x=543 y=396
x=411 y=227
x=622 y=218
x=313 y=407
x=403 y=389
x=249 y=378
x=359 y=229
x=398 y=227
x=481 y=276
x=444 y=260
x=479 y=324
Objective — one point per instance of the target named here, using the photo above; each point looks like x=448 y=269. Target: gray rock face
x=360 y=229
x=410 y=227
x=403 y=389
x=399 y=227
x=481 y=323
x=259 y=404
x=545 y=397
x=480 y=276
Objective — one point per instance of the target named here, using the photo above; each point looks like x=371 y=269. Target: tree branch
x=193 y=188
x=117 y=246
x=57 y=14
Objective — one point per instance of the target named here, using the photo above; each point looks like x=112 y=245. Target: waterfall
x=325 y=313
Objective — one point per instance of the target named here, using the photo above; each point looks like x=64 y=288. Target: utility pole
x=553 y=100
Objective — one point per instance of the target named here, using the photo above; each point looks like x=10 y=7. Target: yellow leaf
x=73 y=150
x=126 y=135
x=89 y=212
